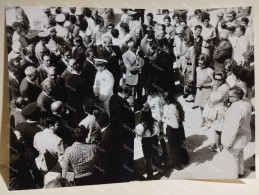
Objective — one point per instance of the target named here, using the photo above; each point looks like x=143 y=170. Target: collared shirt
x=171 y=116
x=81 y=158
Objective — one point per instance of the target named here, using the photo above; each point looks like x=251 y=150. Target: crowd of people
x=83 y=87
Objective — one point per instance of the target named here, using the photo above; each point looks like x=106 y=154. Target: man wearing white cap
x=41 y=48
x=61 y=31
x=103 y=84
x=134 y=22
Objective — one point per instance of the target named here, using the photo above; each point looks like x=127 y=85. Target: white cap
x=99 y=61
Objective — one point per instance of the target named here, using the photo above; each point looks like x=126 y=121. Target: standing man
x=242 y=45
x=133 y=63
x=236 y=132
x=41 y=47
x=103 y=84
x=113 y=55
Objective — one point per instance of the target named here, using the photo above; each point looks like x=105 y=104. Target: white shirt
x=241 y=46
x=236 y=132
x=171 y=116
x=103 y=84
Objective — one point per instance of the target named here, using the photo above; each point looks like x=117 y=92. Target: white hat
x=79 y=11
x=99 y=61
x=60 y=18
x=131 y=12
x=44 y=33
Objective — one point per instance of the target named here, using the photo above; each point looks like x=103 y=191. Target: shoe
x=252 y=168
x=212 y=148
x=240 y=176
x=178 y=168
x=194 y=107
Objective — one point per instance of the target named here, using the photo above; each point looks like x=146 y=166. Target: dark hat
x=30 y=110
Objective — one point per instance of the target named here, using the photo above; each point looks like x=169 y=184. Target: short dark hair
x=99 y=20
x=245 y=19
x=231 y=63
x=115 y=33
x=51 y=120
x=20 y=102
x=80 y=133
x=205 y=16
x=72 y=19
x=87 y=12
x=205 y=58
x=150 y=15
x=125 y=27
x=224 y=25
x=221 y=73
x=125 y=89
x=102 y=118
x=88 y=51
x=110 y=24
x=124 y=10
x=233 y=13
x=242 y=28
x=167 y=17
x=197 y=11
x=176 y=15
x=198 y=26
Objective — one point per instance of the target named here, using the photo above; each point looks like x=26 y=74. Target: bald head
x=57 y=107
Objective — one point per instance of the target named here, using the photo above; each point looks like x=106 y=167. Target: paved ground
x=202 y=161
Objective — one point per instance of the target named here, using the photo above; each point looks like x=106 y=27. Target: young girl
x=147 y=129
x=173 y=117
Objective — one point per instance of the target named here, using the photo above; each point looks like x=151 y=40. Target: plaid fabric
x=80 y=158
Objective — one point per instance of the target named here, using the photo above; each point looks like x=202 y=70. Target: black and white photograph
x=108 y=95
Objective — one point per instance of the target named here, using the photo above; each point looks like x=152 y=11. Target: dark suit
x=60 y=66
x=75 y=92
x=89 y=72
x=111 y=153
x=44 y=102
x=78 y=53
x=113 y=63
x=14 y=88
x=29 y=90
x=25 y=63
x=222 y=52
x=16 y=117
x=121 y=112
x=28 y=131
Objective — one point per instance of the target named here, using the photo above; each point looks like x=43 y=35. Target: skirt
x=202 y=96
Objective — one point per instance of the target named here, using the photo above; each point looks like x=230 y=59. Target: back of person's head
x=90 y=105
x=238 y=92
x=167 y=18
x=205 y=16
x=99 y=20
x=125 y=89
x=20 y=102
x=125 y=27
x=242 y=28
x=72 y=10
x=72 y=19
x=245 y=20
x=115 y=33
x=224 y=25
x=150 y=15
x=88 y=12
x=50 y=121
x=102 y=118
x=197 y=11
x=240 y=73
x=58 y=183
x=80 y=133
